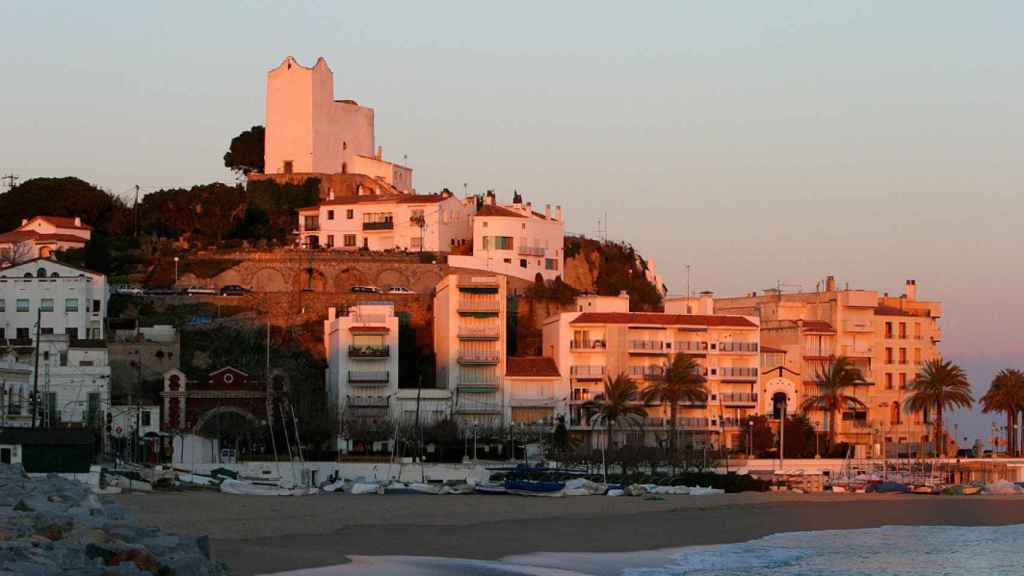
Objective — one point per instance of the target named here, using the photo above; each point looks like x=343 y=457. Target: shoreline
x=257 y=535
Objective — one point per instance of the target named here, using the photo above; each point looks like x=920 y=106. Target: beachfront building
x=602 y=339
x=469 y=346
x=361 y=345
x=406 y=222
x=535 y=392
x=52 y=316
x=887 y=338
x=40 y=237
x=515 y=240
x=310 y=133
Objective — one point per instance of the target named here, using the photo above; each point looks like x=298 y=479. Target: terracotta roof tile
x=818 y=326
x=531 y=366
x=658 y=319
x=25 y=235
x=62 y=222
x=488 y=210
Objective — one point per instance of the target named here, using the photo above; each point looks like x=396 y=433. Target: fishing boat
x=535 y=488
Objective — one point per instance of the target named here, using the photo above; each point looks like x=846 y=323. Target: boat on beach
x=535 y=488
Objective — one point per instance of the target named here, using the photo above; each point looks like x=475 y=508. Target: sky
x=758 y=142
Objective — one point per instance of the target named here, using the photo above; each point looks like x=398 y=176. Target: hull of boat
x=490 y=489
x=547 y=489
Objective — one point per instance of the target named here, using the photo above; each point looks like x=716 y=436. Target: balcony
x=531 y=250
x=690 y=423
x=588 y=372
x=478 y=358
x=857 y=351
x=479 y=332
x=730 y=422
x=647 y=372
x=737 y=373
x=863 y=325
x=468 y=407
x=691 y=347
x=385 y=225
x=734 y=398
x=750 y=347
x=479 y=307
x=311 y=228
x=646 y=347
x=587 y=345
x=653 y=422
x=374 y=351
x=368 y=401
x=473 y=387
x=368 y=378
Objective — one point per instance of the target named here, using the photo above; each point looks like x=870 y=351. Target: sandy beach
x=256 y=535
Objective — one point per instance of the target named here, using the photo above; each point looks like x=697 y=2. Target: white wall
x=339 y=337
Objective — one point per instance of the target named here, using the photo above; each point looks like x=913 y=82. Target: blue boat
x=531 y=488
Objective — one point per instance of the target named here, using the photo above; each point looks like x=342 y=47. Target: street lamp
x=176 y=270
x=750 y=438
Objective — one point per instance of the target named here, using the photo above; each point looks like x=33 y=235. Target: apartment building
x=361 y=345
x=602 y=338
x=408 y=222
x=887 y=337
x=534 y=391
x=470 y=341
x=73 y=377
x=514 y=240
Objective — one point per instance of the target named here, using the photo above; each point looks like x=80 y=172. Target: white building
x=515 y=240
x=536 y=394
x=362 y=360
x=430 y=223
x=41 y=236
x=469 y=345
x=70 y=303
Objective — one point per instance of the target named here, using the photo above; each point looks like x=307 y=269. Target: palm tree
x=832 y=381
x=1006 y=394
x=939 y=385
x=683 y=382
x=616 y=404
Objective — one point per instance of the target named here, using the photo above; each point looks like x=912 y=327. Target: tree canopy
x=67 y=197
x=245 y=154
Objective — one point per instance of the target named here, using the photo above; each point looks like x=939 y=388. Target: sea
x=885 y=551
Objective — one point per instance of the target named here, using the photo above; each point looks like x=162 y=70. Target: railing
x=369 y=318
x=368 y=378
x=469 y=407
x=646 y=346
x=856 y=424
x=588 y=371
x=737 y=372
x=478 y=306
x=691 y=347
x=311 y=228
x=486 y=385
x=478 y=332
x=690 y=423
x=478 y=357
x=859 y=326
x=730 y=422
x=368 y=401
x=647 y=372
x=587 y=345
x=387 y=225
x=737 y=346
x=738 y=397
x=381 y=351
x=654 y=422
x=856 y=350
x=581 y=395
x=531 y=250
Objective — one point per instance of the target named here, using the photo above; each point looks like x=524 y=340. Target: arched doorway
x=235 y=428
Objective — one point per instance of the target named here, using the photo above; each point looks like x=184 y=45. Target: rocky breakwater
x=52 y=525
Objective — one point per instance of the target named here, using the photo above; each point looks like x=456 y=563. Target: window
x=888 y=329
x=22 y=334
x=888 y=355
x=3 y=305
x=498 y=243
x=92 y=414
x=888 y=380
x=416 y=243
x=350 y=240
x=146 y=418
x=95 y=306
x=311 y=223
x=551 y=263
x=507 y=260
x=344 y=145
x=917 y=355
x=72 y=333
x=894 y=418
x=46 y=332
x=330 y=214
x=350 y=213
x=287 y=167
x=917 y=330
x=903 y=355
x=903 y=329
x=3 y=333
x=522 y=262
x=22 y=305
x=46 y=305
x=330 y=240
x=71 y=304
x=903 y=380
x=41 y=273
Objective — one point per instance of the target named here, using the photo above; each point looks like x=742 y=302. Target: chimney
x=911 y=290
x=330 y=195
x=529 y=207
x=707 y=302
x=24 y=221
x=830 y=284
x=78 y=221
x=491 y=199
x=558 y=212
x=547 y=211
x=517 y=201
x=380 y=152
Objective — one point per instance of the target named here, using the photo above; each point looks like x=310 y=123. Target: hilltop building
x=41 y=236
x=887 y=337
x=602 y=338
x=309 y=133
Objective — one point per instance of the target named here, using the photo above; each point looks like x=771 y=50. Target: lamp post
x=750 y=439
x=176 y=270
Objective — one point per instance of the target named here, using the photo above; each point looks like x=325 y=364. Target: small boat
x=923 y=489
x=530 y=488
x=490 y=488
x=425 y=488
x=971 y=490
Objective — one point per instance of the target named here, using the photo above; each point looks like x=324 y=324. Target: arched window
x=28 y=274
x=344 y=145
x=344 y=168
x=54 y=275
x=41 y=273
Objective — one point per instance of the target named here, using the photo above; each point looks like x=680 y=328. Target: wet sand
x=257 y=535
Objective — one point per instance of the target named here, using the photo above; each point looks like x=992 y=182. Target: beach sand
x=256 y=535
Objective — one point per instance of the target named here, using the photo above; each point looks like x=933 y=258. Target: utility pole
x=35 y=373
x=136 y=207
x=11 y=179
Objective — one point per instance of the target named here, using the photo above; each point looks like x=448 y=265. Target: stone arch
x=390 y=277
x=269 y=280
x=313 y=280
x=425 y=280
x=220 y=410
x=348 y=278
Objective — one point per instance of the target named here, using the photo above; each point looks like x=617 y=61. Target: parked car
x=130 y=290
x=162 y=291
x=233 y=290
x=193 y=290
x=366 y=289
x=399 y=290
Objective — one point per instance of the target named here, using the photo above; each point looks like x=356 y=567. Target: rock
x=21 y=506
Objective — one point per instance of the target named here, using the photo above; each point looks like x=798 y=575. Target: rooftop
x=658 y=319
x=531 y=367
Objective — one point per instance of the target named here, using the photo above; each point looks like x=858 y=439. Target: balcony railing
x=368 y=378
x=738 y=397
x=376 y=351
x=737 y=346
x=730 y=422
x=481 y=386
x=486 y=306
x=587 y=345
x=859 y=326
x=733 y=372
x=368 y=401
x=647 y=372
x=588 y=372
x=691 y=347
x=479 y=332
x=857 y=351
x=531 y=250
x=469 y=407
x=369 y=318
x=652 y=346
x=311 y=228
x=691 y=423
x=386 y=225
x=490 y=357
x=653 y=422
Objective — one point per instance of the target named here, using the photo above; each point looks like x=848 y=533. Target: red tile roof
x=818 y=326
x=658 y=319
x=26 y=235
x=772 y=350
x=531 y=367
x=488 y=210
x=62 y=222
x=368 y=329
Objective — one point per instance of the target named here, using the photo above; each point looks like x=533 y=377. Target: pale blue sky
x=757 y=141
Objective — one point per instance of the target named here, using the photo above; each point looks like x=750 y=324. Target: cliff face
x=608 y=268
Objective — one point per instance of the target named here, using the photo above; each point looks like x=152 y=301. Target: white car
x=193 y=290
x=399 y=290
x=366 y=289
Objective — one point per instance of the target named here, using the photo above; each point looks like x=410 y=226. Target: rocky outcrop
x=53 y=526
